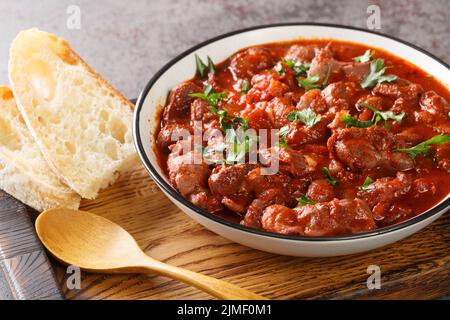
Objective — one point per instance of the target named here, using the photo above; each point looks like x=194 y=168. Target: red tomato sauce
x=313 y=90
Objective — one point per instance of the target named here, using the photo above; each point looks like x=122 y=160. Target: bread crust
x=60 y=48
x=22 y=184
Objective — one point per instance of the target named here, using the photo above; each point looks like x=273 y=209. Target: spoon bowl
x=97 y=244
x=87 y=240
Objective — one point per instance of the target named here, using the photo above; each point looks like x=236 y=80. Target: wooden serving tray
x=415 y=268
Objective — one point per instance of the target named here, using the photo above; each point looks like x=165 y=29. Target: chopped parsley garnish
x=211 y=67
x=376 y=75
x=377 y=117
x=213 y=98
x=352 y=122
x=367 y=56
x=367 y=184
x=201 y=67
x=296 y=66
x=243 y=122
x=424 y=147
x=385 y=115
x=237 y=144
x=327 y=75
x=279 y=69
x=309 y=83
x=224 y=119
x=245 y=87
x=210 y=96
x=307 y=116
x=304 y=200
x=327 y=174
x=282 y=133
x=227 y=122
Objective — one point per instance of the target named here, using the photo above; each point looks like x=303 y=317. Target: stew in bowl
x=294 y=139
x=363 y=138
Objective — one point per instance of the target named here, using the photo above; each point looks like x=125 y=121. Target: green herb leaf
x=282 y=143
x=352 y=122
x=367 y=56
x=201 y=67
x=224 y=120
x=298 y=67
x=245 y=87
x=293 y=116
x=235 y=147
x=424 y=147
x=376 y=75
x=238 y=148
x=377 y=116
x=237 y=144
x=279 y=69
x=282 y=133
x=309 y=83
x=211 y=68
x=327 y=75
x=227 y=122
x=307 y=116
x=304 y=200
x=213 y=98
x=209 y=95
x=367 y=184
x=243 y=122
x=327 y=174
x=385 y=115
x=290 y=63
x=207 y=89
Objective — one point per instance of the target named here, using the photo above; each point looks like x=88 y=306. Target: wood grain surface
x=415 y=268
x=27 y=273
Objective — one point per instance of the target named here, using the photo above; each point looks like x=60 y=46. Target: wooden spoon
x=96 y=244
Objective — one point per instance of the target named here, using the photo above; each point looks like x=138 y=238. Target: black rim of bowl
x=178 y=197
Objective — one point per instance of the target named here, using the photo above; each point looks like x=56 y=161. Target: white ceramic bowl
x=183 y=68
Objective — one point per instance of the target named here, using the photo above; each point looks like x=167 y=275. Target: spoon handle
x=217 y=288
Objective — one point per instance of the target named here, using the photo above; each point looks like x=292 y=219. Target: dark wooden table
x=415 y=268
x=26 y=272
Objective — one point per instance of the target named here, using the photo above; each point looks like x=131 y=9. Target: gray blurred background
x=128 y=41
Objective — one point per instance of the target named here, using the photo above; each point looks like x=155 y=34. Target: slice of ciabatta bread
x=81 y=123
x=24 y=173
